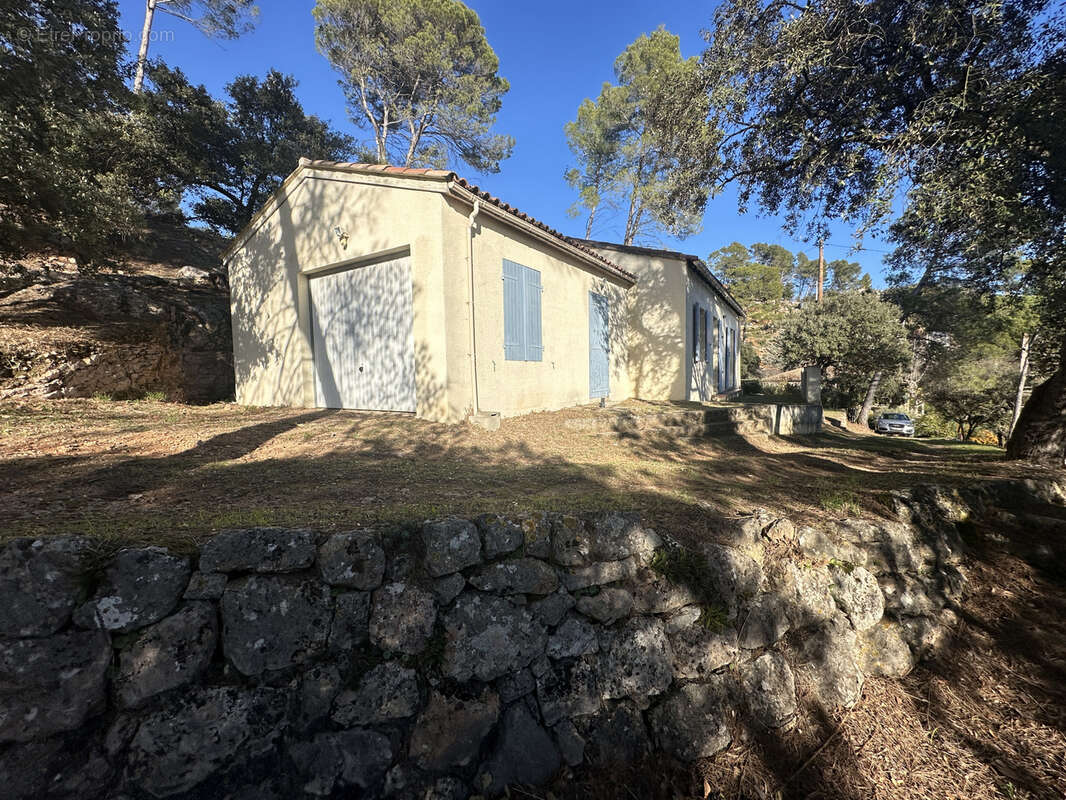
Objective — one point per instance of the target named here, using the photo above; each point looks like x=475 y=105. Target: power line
x=857 y=249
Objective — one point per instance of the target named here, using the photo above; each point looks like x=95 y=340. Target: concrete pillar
x=812 y=385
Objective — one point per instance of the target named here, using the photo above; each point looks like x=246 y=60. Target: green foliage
x=631 y=144
x=595 y=140
x=768 y=272
x=775 y=256
x=67 y=178
x=847 y=276
x=844 y=501
x=751 y=278
x=834 y=110
x=805 y=276
x=966 y=350
x=713 y=618
x=834 y=106
x=751 y=386
x=934 y=425
x=749 y=360
x=420 y=75
x=976 y=390
x=846 y=567
x=232 y=155
x=850 y=335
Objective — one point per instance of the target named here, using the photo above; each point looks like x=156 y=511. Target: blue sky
x=554 y=53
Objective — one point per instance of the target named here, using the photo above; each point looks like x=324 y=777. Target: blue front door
x=599 y=346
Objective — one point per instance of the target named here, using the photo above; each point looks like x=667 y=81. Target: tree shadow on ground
x=389 y=470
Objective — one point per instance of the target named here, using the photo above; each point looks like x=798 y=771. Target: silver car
x=894 y=422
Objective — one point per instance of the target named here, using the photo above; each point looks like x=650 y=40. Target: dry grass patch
x=171 y=474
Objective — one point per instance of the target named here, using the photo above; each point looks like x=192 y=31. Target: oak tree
x=856 y=338
x=837 y=109
x=232 y=155
x=66 y=176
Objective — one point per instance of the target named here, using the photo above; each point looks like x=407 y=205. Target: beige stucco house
x=685 y=327
x=387 y=288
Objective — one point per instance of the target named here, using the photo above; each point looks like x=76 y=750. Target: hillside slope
x=157 y=323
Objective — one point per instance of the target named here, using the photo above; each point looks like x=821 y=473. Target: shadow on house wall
x=273 y=321
x=658 y=364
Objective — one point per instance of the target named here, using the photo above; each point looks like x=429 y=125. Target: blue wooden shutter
x=721 y=355
x=599 y=345
x=532 y=289
x=703 y=334
x=695 y=332
x=513 y=312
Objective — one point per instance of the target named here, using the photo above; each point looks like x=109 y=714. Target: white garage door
x=361 y=334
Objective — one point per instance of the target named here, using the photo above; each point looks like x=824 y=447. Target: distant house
x=386 y=288
x=684 y=325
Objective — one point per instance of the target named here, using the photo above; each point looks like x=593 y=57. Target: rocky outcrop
x=117 y=335
x=477 y=655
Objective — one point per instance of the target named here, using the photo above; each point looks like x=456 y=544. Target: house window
x=521 y=313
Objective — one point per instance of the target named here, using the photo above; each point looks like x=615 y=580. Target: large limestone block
x=353 y=559
x=258 y=550
x=140 y=586
x=271 y=622
x=202 y=734
x=170 y=653
x=41 y=582
x=488 y=637
x=693 y=721
x=52 y=684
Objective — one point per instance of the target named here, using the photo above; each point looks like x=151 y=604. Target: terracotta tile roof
x=381 y=169
x=481 y=194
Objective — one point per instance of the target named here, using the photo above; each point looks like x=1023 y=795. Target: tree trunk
x=588 y=225
x=1040 y=435
x=1023 y=376
x=142 y=54
x=633 y=220
x=868 y=403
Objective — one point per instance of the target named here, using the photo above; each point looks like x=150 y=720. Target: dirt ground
x=171 y=474
x=986 y=719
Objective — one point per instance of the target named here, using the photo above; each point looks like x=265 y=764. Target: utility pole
x=821 y=268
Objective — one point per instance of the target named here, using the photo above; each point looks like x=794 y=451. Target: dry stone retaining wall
x=451 y=659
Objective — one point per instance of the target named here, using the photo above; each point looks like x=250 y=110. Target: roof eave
x=454 y=185
x=703 y=271
x=561 y=243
